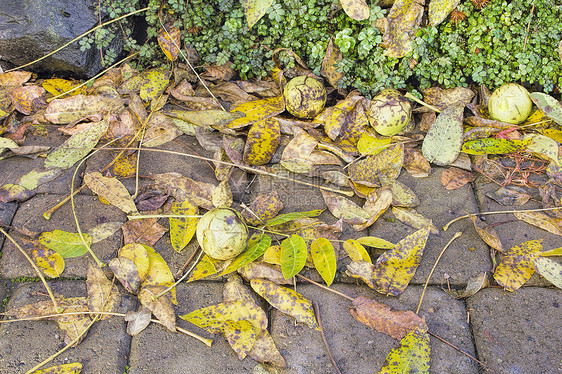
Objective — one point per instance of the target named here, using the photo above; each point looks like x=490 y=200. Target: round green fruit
x=389 y=112
x=222 y=233
x=510 y=103
x=304 y=96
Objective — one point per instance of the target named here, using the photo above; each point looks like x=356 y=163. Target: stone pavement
x=518 y=332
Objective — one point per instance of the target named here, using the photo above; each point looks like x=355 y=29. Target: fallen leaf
x=253 y=252
x=265 y=350
x=14 y=192
x=343 y=208
x=287 y=217
x=548 y=105
x=199 y=193
x=74 y=108
x=540 y=220
x=103 y=295
x=161 y=307
x=402 y=195
x=159 y=274
x=356 y=9
x=126 y=272
x=395 y=268
x=517 y=265
x=386 y=163
x=57 y=86
x=453 y=178
x=440 y=9
x=286 y=301
x=416 y=164
x=331 y=59
x=442 y=144
x=550 y=270
x=139 y=255
x=255 y=9
x=241 y=335
x=261 y=270
x=370 y=145
x=403 y=19
x=104 y=231
x=474 y=285
x=28 y=99
x=362 y=270
x=487 y=233
x=494 y=146
x=412 y=356
x=205 y=268
x=442 y=98
x=263 y=208
x=324 y=258
x=151 y=199
x=73 y=368
x=256 y=111
x=262 y=142
x=412 y=218
x=138 y=320
x=380 y=317
x=160 y=130
x=222 y=195
x=182 y=229
x=66 y=244
x=169 y=40
x=14 y=78
x=111 y=190
x=376 y=208
x=509 y=195
x=356 y=251
x=293 y=255
x=296 y=154
x=143 y=231
x=373 y=241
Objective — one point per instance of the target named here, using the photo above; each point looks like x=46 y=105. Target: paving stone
x=104 y=350
x=156 y=348
x=90 y=211
x=466 y=256
x=7 y=212
x=359 y=349
x=518 y=332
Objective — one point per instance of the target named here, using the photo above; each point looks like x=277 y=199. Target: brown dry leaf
x=261 y=270
x=143 y=231
x=329 y=64
x=387 y=163
x=509 y=195
x=261 y=88
x=111 y=190
x=474 y=285
x=162 y=307
x=380 y=317
x=263 y=208
x=356 y=9
x=265 y=350
x=28 y=99
x=160 y=130
x=150 y=198
x=170 y=40
x=487 y=233
x=199 y=193
x=442 y=98
x=138 y=320
x=74 y=108
x=262 y=142
x=222 y=170
x=414 y=219
x=540 y=220
x=184 y=90
x=103 y=295
x=339 y=121
x=235 y=289
x=402 y=195
x=126 y=272
x=227 y=91
x=363 y=270
x=403 y=20
x=453 y=178
x=376 y=208
x=345 y=209
x=416 y=164
x=14 y=78
x=296 y=153
x=223 y=72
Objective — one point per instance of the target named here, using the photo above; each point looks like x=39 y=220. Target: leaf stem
x=182 y=278
x=412 y=97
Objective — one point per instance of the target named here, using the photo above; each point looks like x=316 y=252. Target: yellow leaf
x=262 y=141
x=73 y=368
x=273 y=255
x=329 y=64
x=362 y=270
x=112 y=190
x=241 y=335
x=549 y=269
x=356 y=251
x=373 y=241
x=387 y=163
x=169 y=40
x=296 y=154
x=139 y=255
x=61 y=111
x=403 y=19
x=47 y=260
x=205 y=267
x=57 y=86
x=376 y=208
x=394 y=269
x=103 y=295
x=255 y=9
x=369 y=145
x=413 y=218
x=517 y=266
x=493 y=146
x=540 y=220
x=440 y=9
x=159 y=273
x=287 y=301
x=252 y=253
x=66 y=244
x=412 y=356
x=182 y=229
x=257 y=110
x=324 y=258
x=356 y=9
x=263 y=208
x=552 y=252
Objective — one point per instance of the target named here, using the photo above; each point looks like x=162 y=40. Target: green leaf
x=287 y=301
x=293 y=255
x=255 y=9
x=251 y=254
x=548 y=105
x=517 y=265
x=412 y=356
x=284 y=218
x=66 y=244
x=440 y=9
x=394 y=269
x=183 y=229
x=494 y=146
x=443 y=141
x=324 y=258
x=77 y=146
x=549 y=269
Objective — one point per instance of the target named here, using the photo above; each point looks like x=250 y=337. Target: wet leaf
x=343 y=208
x=14 y=192
x=161 y=307
x=257 y=110
x=66 y=244
x=287 y=217
x=540 y=220
x=356 y=251
x=182 y=229
x=263 y=208
x=403 y=19
x=143 y=231
x=57 y=86
x=380 y=317
x=293 y=255
x=494 y=146
x=395 y=268
x=286 y=301
x=296 y=154
x=474 y=285
x=442 y=144
x=74 y=108
x=548 y=105
x=324 y=258
x=170 y=40
x=138 y=320
x=103 y=295
x=440 y=9
x=373 y=241
x=412 y=218
x=412 y=356
x=330 y=62
x=126 y=272
x=77 y=146
x=487 y=233
x=255 y=9
x=386 y=163
x=509 y=195
x=362 y=270
x=356 y=9
x=453 y=178
x=73 y=368
x=111 y=190
x=517 y=266
x=250 y=255
x=262 y=141
x=550 y=270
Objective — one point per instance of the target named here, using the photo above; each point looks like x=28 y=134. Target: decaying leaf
x=296 y=154
x=159 y=274
x=494 y=146
x=376 y=208
x=66 y=244
x=138 y=320
x=103 y=295
x=287 y=217
x=262 y=141
x=362 y=270
x=241 y=335
x=144 y=231
x=257 y=110
x=487 y=233
x=453 y=178
x=549 y=269
x=263 y=208
x=199 y=193
x=510 y=195
x=517 y=265
x=137 y=253
x=13 y=192
x=126 y=272
x=474 y=285
x=440 y=9
x=112 y=190
x=548 y=105
x=262 y=270
x=329 y=64
x=356 y=9
x=104 y=231
x=540 y=220
x=394 y=269
x=380 y=317
x=442 y=144
x=373 y=241
x=74 y=108
x=412 y=218
x=265 y=350
x=182 y=229
x=416 y=164
x=402 y=195
x=388 y=163
x=170 y=41
x=343 y=208
x=412 y=356
x=403 y=19
x=286 y=301
x=356 y=251
x=205 y=268
x=255 y=9
x=161 y=307
x=50 y=262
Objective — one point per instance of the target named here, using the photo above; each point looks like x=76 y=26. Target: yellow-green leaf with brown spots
x=263 y=208
x=205 y=268
x=387 y=163
x=517 y=265
x=403 y=20
x=440 y=9
x=73 y=368
x=394 y=269
x=159 y=273
x=356 y=9
x=182 y=229
x=241 y=335
x=549 y=269
x=412 y=356
x=255 y=9
x=356 y=251
x=287 y=301
x=252 y=253
x=262 y=141
x=256 y=111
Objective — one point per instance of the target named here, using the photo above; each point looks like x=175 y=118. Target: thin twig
x=317 y=312
x=458 y=234
x=457 y=348
x=182 y=278
x=529 y=26
x=326 y=288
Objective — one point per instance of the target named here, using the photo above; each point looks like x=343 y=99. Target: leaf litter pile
x=246 y=126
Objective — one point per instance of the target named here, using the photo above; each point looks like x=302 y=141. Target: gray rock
x=31 y=29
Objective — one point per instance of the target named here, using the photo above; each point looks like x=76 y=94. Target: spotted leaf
x=412 y=356
x=517 y=266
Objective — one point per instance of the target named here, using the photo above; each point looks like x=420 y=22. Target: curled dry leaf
x=376 y=208
x=345 y=209
x=103 y=295
x=199 y=193
x=261 y=270
x=412 y=218
x=28 y=99
x=416 y=164
x=363 y=270
x=161 y=307
x=474 y=285
x=453 y=178
x=138 y=320
x=487 y=233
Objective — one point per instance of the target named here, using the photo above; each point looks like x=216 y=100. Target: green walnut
x=222 y=233
x=304 y=96
x=510 y=103
x=389 y=112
